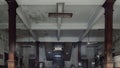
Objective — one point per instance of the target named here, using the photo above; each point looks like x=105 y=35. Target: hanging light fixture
x=59 y=13
x=62 y=15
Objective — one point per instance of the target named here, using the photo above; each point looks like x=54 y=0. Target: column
x=37 y=55
x=108 y=5
x=79 y=54
x=12 y=5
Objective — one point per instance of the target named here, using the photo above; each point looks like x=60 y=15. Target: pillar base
x=109 y=65
x=11 y=64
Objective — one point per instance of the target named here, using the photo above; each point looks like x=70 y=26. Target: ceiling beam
x=64 y=26
x=60 y=9
x=25 y=21
x=68 y=2
x=62 y=39
x=92 y=21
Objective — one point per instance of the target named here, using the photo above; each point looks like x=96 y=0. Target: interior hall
x=59 y=33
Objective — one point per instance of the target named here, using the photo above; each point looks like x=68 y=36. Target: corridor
x=59 y=33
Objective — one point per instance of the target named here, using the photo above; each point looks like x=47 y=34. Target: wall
x=26 y=53
x=88 y=51
x=3 y=47
x=117 y=47
x=48 y=64
x=73 y=59
x=42 y=57
x=2 y=52
x=116 y=41
x=117 y=52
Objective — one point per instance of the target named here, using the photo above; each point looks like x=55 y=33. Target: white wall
x=117 y=50
x=74 y=57
x=3 y=45
x=26 y=53
x=42 y=57
x=117 y=46
x=2 y=51
x=90 y=52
